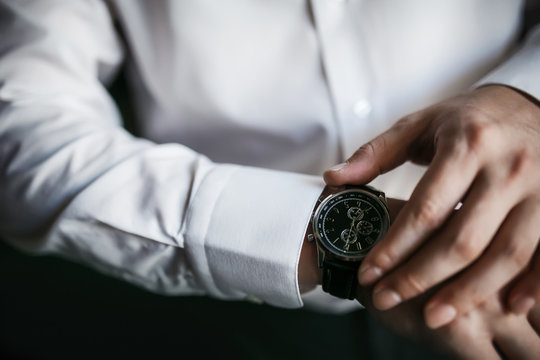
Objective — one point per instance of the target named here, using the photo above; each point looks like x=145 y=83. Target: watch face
x=351 y=222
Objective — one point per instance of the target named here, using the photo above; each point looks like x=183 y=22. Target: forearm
x=164 y=217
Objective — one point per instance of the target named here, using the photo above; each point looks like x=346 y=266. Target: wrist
x=309 y=273
x=508 y=89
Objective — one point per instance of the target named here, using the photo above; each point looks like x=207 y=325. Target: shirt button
x=362 y=108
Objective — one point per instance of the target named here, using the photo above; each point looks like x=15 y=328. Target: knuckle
x=426 y=214
x=478 y=135
x=386 y=258
x=366 y=150
x=466 y=248
x=458 y=148
x=412 y=285
x=517 y=253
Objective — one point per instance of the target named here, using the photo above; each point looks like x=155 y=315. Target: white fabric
x=242 y=104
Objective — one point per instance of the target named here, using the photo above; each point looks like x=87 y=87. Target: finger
x=438 y=192
x=509 y=253
x=471 y=348
x=476 y=350
x=459 y=243
x=381 y=154
x=518 y=340
x=526 y=291
x=470 y=339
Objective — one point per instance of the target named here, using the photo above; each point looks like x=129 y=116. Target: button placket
x=346 y=68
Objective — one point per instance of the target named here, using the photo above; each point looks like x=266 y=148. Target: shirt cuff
x=522 y=70
x=244 y=232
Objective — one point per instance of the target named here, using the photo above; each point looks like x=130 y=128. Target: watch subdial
x=364 y=228
x=355 y=213
x=348 y=236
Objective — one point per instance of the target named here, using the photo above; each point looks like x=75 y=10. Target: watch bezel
x=322 y=241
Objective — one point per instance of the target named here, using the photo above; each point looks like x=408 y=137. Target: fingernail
x=338 y=167
x=438 y=315
x=521 y=304
x=369 y=274
x=385 y=299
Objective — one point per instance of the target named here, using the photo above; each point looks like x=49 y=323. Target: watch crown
x=310 y=238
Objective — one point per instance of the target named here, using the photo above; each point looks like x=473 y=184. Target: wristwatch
x=345 y=226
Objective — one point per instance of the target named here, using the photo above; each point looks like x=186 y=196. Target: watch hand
x=350 y=231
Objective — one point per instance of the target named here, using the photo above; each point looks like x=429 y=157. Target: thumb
x=382 y=154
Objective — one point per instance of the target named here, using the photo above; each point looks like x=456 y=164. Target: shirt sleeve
x=522 y=68
x=73 y=182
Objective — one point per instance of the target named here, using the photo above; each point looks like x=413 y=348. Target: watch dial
x=351 y=222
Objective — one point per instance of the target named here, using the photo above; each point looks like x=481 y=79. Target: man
x=242 y=106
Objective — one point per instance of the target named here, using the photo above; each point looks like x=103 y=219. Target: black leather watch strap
x=339 y=278
x=368 y=188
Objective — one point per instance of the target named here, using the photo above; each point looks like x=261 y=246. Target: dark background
x=55 y=309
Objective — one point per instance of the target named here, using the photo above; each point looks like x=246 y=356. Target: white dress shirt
x=241 y=105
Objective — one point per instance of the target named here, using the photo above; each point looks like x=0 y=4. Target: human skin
x=486 y=332
x=475 y=335
x=482 y=149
